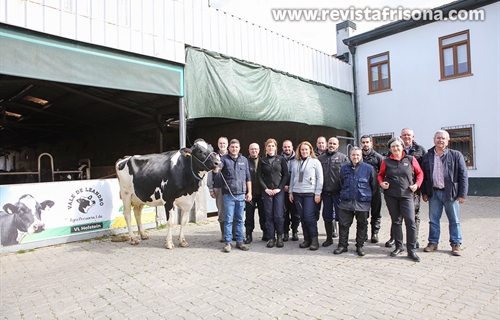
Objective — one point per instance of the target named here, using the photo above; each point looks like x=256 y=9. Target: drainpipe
x=352 y=49
x=182 y=123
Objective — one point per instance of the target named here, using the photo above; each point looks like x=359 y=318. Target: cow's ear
x=47 y=204
x=10 y=208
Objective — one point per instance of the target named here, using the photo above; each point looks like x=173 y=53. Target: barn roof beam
x=101 y=100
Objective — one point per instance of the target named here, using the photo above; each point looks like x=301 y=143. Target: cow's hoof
x=144 y=236
x=183 y=244
x=134 y=241
x=169 y=246
x=120 y=238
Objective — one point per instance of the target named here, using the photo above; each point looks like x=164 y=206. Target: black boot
x=249 y=239
x=286 y=236
x=374 y=236
x=335 y=232
x=329 y=231
x=295 y=236
x=271 y=243
x=264 y=236
x=305 y=244
x=314 y=243
x=390 y=243
x=280 y=243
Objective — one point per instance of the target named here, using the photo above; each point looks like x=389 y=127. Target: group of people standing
x=287 y=190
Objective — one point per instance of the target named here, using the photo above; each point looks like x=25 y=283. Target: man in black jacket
x=331 y=161
x=253 y=160
x=374 y=159
x=291 y=216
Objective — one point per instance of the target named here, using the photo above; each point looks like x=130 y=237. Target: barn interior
x=79 y=125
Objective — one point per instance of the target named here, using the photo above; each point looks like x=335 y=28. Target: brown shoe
x=431 y=247
x=241 y=246
x=455 y=249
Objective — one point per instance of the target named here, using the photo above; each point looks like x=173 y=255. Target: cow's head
x=85 y=204
x=28 y=213
x=206 y=158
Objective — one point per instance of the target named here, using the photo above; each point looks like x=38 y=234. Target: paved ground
x=100 y=279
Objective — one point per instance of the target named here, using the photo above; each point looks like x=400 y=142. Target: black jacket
x=331 y=163
x=272 y=174
x=253 y=173
x=374 y=159
x=416 y=151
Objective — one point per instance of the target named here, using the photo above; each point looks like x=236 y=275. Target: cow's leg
x=184 y=218
x=168 y=241
x=127 y=206
x=185 y=204
x=140 y=228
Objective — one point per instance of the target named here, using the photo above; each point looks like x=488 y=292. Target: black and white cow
x=22 y=218
x=165 y=179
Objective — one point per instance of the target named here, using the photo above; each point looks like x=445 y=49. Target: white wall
x=419 y=99
x=162 y=28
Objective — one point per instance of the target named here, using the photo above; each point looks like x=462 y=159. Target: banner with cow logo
x=32 y=212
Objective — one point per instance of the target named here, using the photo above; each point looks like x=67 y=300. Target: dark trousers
x=345 y=221
x=273 y=206
x=317 y=210
x=416 y=201
x=330 y=206
x=291 y=216
x=376 y=210
x=305 y=207
x=399 y=209
x=250 y=214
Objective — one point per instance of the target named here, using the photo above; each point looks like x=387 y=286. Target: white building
x=431 y=76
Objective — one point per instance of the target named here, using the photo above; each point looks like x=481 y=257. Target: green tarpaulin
x=223 y=87
x=39 y=56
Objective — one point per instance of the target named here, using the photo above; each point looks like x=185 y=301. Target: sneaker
x=227 y=248
x=431 y=247
x=241 y=246
x=455 y=249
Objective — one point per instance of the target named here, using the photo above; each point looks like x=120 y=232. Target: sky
x=319 y=35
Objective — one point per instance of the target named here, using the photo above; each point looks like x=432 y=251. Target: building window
x=379 y=76
x=454 y=54
x=462 y=139
x=380 y=143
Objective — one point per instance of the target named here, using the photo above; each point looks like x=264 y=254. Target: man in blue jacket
x=445 y=185
x=236 y=189
x=359 y=183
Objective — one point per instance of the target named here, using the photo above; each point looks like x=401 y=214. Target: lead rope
x=230 y=189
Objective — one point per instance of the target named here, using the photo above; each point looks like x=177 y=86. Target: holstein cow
x=165 y=179
x=22 y=218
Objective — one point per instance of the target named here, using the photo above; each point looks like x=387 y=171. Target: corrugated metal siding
x=162 y=28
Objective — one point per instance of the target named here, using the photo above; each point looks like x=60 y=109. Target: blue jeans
x=234 y=210
x=306 y=209
x=452 y=209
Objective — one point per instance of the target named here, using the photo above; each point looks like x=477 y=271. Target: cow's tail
x=120 y=164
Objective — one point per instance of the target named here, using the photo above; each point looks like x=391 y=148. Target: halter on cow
x=168 y=179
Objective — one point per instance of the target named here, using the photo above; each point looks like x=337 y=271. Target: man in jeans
x=236 y=189
x=445 y=185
